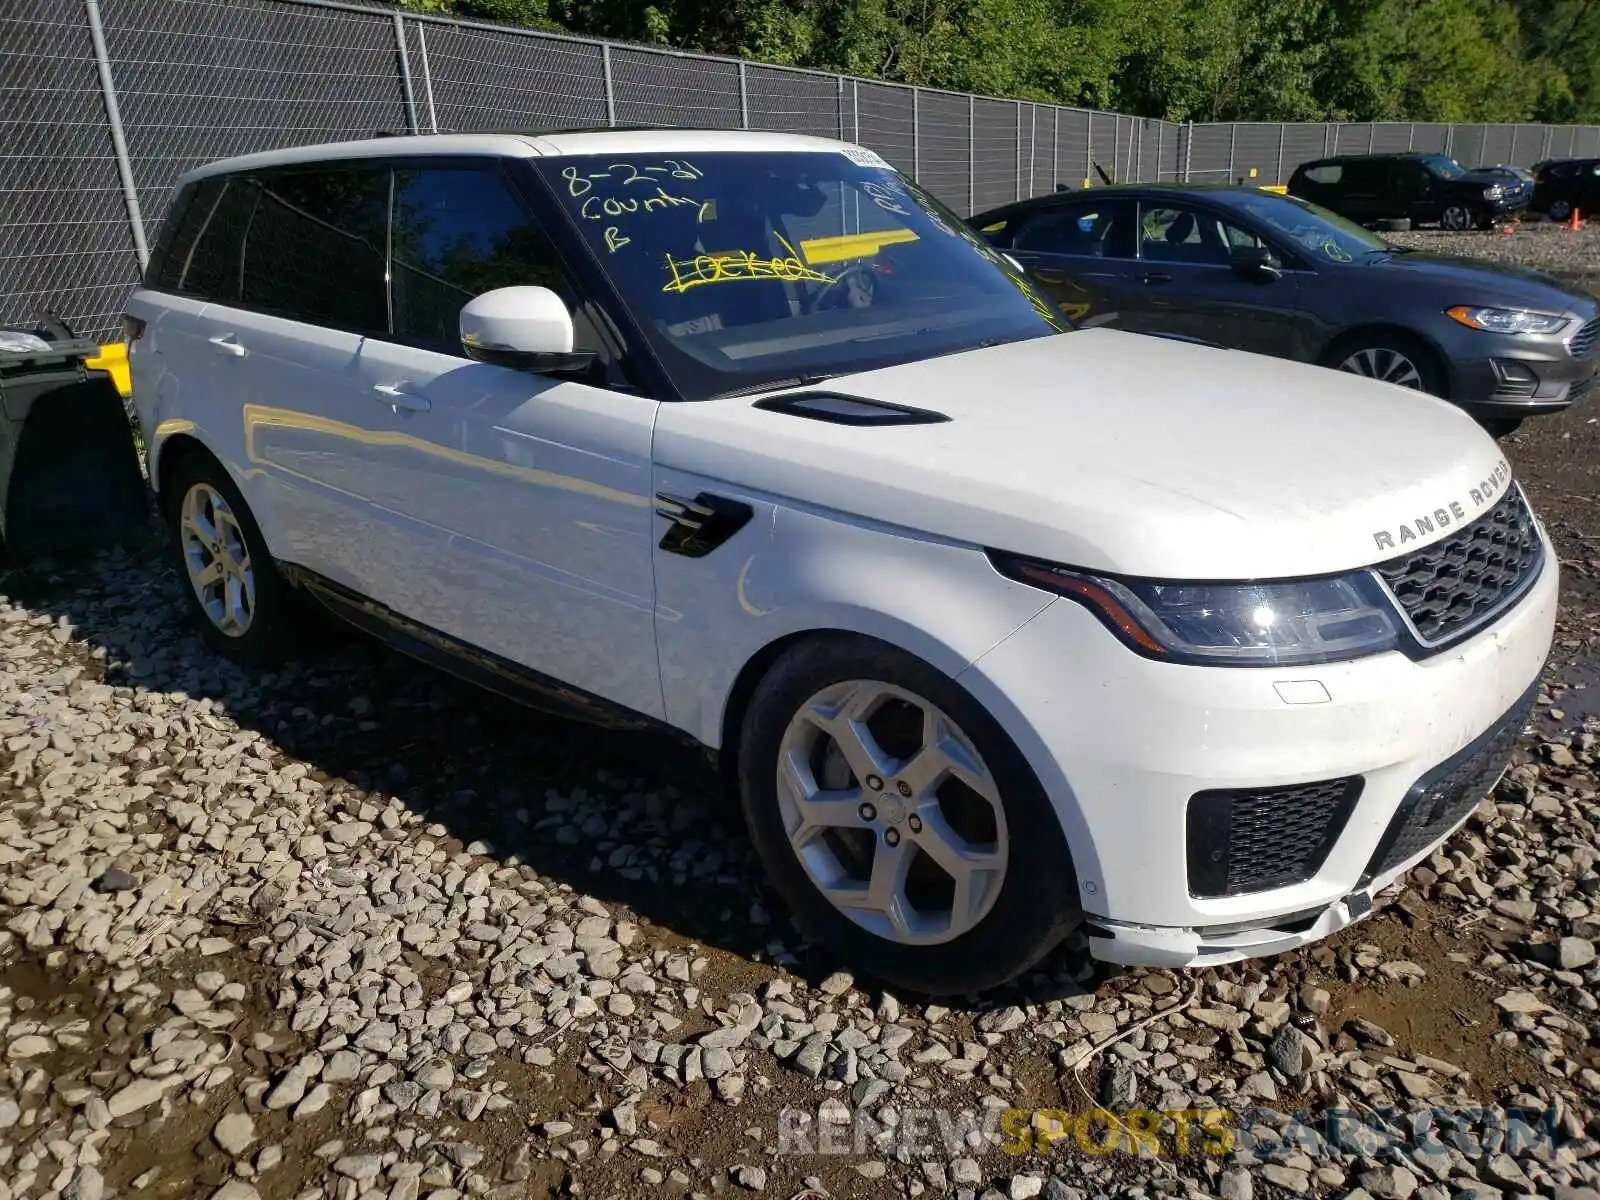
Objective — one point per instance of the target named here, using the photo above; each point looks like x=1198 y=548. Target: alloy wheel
x=1380 y=362
x=1456 y=218
x=1560 y=210
x=217 y=559
x=892 y=812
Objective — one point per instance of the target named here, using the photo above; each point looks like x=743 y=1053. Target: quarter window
x=199 y=254
x=315 y=247
x=1327 y=173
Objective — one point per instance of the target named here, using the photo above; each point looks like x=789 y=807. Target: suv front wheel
x=898 y=822
x=1456 y=218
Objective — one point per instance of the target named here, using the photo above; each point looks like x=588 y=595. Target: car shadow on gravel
x=633 y=819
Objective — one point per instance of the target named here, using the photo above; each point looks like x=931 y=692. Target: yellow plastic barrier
x=113 y=359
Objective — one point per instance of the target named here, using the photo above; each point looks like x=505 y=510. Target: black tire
x=1456 y=218
x=1037 y=904
x=1416 y=352
x=270 y=636
x=1394 y=225
x=1559 y=210
x=1499 y=427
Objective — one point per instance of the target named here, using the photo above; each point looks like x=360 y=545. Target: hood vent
x=849 y=410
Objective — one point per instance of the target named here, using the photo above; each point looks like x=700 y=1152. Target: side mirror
x=1256 y=263
x=528 y=328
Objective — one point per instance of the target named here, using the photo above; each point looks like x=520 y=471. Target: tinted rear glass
x=316 y=248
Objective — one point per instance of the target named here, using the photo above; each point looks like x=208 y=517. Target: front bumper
x=1121 y=744
x=1521 y=377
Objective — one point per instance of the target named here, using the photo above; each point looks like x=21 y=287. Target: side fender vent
x=849 y=410
x=700 y=525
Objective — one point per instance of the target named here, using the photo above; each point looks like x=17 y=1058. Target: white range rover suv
x=1001 y=627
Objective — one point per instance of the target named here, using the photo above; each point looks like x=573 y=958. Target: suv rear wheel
x=898 y=822
x=239 y=601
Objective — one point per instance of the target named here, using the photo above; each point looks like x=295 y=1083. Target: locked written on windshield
x=760 y=269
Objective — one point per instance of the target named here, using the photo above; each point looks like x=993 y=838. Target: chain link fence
x=105 y=103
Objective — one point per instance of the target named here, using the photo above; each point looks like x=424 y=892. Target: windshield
x=842 y=264
x=1319 y=233
x=1444 y=168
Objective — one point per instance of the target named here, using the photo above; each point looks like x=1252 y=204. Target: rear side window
x=1326 y=173
x=1092 y=229
x=457 y=233
x=315 y=247
x=201 y=242
x=1366 y=175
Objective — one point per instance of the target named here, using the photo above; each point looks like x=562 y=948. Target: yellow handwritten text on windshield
x=597 y=208
x=687 y=273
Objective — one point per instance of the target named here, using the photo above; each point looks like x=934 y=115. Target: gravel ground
x=353 y=930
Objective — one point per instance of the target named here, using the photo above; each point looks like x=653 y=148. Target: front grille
x=1442 y=798
x=1455 y=585
x=1582 y=343
x=1249 y=840
x=1579 y=388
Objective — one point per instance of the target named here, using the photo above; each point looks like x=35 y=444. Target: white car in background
x=1001 y=627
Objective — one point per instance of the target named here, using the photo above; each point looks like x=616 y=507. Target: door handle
x=400 y=400
x=1157 y=277
x=228 y=344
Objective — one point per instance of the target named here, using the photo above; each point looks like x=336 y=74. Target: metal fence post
x=1161 y=138
x=405 y=72
x=1283 y=134
x=839 y=92
x=916 y=133
x=119 y=144
x=427 y=76
x=1233 y=137
x=1188 y=149
x=1449 y=140
x=1055 y=147
x=1511 y=155
x=1544 y=151
x=1088 y=149
x=1411 y=136
x=855 y=109
x=611 y=97
x=972 y=158
x=744 y=97
x=1033 y=144
x=1018 y=149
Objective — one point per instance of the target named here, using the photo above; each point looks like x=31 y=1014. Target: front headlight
x=1506 y=320
x=1494 y=192
x=1270 y=624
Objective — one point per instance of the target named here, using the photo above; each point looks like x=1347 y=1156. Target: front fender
x=792 y=570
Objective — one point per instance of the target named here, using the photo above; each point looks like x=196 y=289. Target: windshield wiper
x=771 y=385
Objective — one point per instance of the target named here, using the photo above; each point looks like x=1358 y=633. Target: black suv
x=1564 y=184
x=1421 y=188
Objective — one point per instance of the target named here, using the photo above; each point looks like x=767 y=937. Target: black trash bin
x=69 y=471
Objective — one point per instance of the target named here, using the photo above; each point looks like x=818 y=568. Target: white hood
x=1121 y=452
